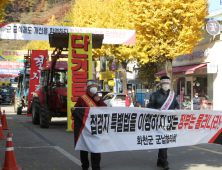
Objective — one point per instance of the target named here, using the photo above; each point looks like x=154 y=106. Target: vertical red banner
x=38 y=61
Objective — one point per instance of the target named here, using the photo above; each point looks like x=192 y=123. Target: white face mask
x=196 y=96
x=93 y=90
x=165 y=87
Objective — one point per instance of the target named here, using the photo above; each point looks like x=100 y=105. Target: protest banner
x=108 y=129
x=38 y=61
x=79 y=70
x=41 y=33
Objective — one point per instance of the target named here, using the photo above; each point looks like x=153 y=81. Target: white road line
x=69 y=156
x=72 y=158
x=35 y=147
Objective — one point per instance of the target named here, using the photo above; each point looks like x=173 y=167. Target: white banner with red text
x=108 y=129
x=41 y=33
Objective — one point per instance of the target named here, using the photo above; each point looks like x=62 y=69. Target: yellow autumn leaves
x=3 y=4
x=165 y=28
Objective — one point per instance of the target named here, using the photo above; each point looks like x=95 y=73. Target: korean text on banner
x=79 y=69
x=124 y=128
x=38 y=61
x=41 y=33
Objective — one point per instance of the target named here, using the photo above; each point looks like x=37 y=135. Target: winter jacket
x=158 y=98
x=196 y=103
x=128 y=100
x=147 y=95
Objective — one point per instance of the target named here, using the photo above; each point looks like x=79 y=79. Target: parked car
x=6 y=94
x=115 y=100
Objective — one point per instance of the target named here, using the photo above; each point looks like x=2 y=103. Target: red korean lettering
x=205 y=121
x=216 y=122
x=182 y=119
x=192 y=121
x=199 y=120
x=107 y=33
x=86 y=42
x=74 y=55
x=81 y=64
x=73 y=41
x=78 y=89
x=79 y=76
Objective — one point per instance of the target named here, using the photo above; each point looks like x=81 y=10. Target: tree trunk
x=93 y=70
x=124 y=80
x=169 y=71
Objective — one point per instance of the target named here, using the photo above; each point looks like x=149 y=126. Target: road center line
x=207 y=150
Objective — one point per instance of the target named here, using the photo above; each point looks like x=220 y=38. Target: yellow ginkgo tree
x=111 y=14
x=3 y=4
x=167 y=28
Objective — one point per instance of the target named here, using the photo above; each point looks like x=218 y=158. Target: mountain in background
x=36 y=12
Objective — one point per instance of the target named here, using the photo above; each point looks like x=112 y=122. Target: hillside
x=37 y=12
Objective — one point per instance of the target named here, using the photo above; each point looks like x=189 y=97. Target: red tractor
x=51 y=98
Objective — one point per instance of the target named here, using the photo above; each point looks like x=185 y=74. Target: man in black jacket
x=134 y=97
x=163 y=99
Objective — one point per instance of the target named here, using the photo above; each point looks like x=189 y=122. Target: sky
x=215 y=6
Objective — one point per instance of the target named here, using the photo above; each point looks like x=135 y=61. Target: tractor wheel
x=15 y=105
x=19 y=107
x=44 y=116
x=35 y=111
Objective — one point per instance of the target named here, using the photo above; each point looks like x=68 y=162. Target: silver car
x=115 y=100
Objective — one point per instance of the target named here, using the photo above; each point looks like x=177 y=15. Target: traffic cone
x=4 y=122
x=1 y=132
x=0 y=113
x=10 y=161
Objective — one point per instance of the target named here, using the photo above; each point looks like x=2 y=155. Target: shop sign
x=213 y=27
x=195 y=55
x=106 y=75
x=211 y=68
x=129 y=75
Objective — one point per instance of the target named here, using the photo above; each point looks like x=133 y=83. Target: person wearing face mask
x=163 y=99
x=196 y=102
x=90 y=99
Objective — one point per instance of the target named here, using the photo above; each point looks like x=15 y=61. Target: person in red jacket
x=90 y=99
x=128 y=99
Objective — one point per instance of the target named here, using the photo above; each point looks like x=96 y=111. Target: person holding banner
x=163 y=99
x=90 y=99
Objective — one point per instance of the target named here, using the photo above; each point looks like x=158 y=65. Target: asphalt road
x=53 y=149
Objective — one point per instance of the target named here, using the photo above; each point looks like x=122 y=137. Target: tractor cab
x=51 y=98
